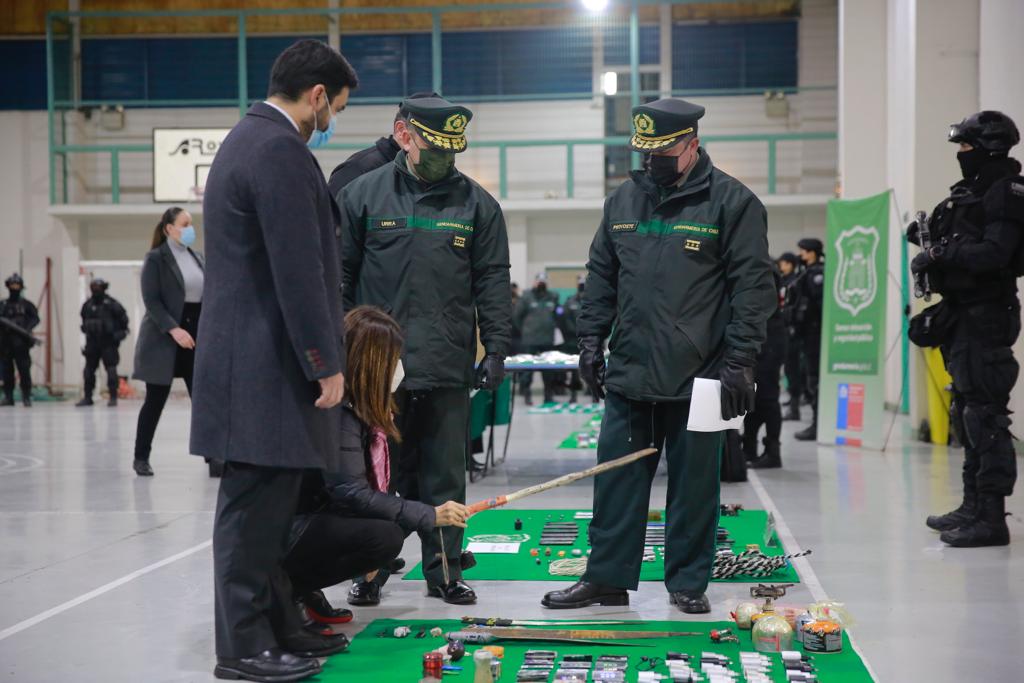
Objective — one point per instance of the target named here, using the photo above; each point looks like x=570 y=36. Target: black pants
x=767 y=410
x=252 y=592
x=110 y=358
x=334 y=548
x=156 y=394
x=980 y=359
x=432 y=465
x=547 y=376
x=810 y=354
x=794 y=378
x=20 y=358
x=622 y=496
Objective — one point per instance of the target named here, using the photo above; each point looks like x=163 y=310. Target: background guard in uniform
x=681 y=260
x=809 y=309
x=18 y=311
x=791 y=268
x=978 y=253
x=105 y=324
x=429 y=246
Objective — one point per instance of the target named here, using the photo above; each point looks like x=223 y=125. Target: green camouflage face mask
x=434 y=164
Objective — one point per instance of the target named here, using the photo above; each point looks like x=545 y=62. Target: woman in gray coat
x=172 y=290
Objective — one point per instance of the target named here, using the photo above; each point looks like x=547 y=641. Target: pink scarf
x=381 y=475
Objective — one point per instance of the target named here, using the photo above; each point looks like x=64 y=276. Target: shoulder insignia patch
x=692 y=245
x=459 y=241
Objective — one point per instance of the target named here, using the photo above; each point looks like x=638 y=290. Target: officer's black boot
x=809 y=434
x=8 y=400
x=792 y=413
x=988 y=528
x=26 y=398
x=958 y=517
x=86 y=401
x=771 y=458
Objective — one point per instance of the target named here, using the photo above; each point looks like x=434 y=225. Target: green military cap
x=661 y=123
x=438 y=121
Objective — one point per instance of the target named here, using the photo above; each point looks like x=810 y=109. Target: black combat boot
x=809 y=434
x=988 y=528
x=770 y=458
x=957 y=518
x=792 y=413
x=86 y=401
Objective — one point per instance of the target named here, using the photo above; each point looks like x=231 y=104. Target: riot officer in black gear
x=975 y=257
x=791 y=268
x=16 y=341
x=807 y=320
x=105 y=324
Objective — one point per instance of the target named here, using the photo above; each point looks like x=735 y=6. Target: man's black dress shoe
x=364 y=594
x=321 y=611
x=305 y=643
x=691 y=602
x=269 y=666
x=142 y=468
x=396 y=565
x=584 y=593
x=455 y=593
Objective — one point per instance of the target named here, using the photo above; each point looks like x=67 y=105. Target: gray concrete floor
x=107 y=577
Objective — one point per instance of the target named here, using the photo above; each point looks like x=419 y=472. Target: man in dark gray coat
x=269 y=356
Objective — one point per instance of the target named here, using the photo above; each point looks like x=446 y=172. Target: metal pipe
x=634 y=65
x=435 y=52
x=243 y=69
x=503 y=171
x=771 y=166
x=115 y=177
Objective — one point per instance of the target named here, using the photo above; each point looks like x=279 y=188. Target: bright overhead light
x=610 y=83
x=595 y=5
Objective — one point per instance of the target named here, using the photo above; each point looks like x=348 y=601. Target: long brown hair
x=160 y=233
x=373 y=343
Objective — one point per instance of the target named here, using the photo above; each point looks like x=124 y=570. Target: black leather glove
x=914 y=233
x=737 y=377
x=491 y=372
x=926 y=259
x=592 y=365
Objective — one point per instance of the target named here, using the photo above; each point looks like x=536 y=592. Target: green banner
x=852 y=389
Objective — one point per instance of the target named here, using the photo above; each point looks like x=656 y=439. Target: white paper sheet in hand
x=485 y=548
x=706 y=408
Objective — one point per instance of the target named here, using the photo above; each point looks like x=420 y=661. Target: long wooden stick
x=561 y=481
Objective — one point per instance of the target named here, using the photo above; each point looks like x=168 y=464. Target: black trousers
x=432 y=465
x=767 y=410
x=334 y=548
x=156 y=394
x=980 y=359
x=110 y=358
x=622 y=496
x=547 y=376
x=16 y=358
x=794 y=377
x=810 y=354
x=252 y=592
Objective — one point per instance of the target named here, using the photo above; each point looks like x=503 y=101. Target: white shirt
x=285 y=114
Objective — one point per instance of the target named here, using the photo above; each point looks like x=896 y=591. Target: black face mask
x=541 y=288
x=15 y=294
x=972 y=161
x=97 y=294
x=663 y=170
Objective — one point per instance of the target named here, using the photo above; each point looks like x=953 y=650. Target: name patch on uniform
x=459 y=241
x=692 y=245
x=696 y=229
x=444 y=224
x=387 y=223
x=624 y=227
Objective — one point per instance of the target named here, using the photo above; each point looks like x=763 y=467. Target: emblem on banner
x=856 y=282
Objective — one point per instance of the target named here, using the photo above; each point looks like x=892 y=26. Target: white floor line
x=106 y=588
x=803 y=566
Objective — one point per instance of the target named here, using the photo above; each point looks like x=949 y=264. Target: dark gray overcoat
x=163 y=293
x=272 y=308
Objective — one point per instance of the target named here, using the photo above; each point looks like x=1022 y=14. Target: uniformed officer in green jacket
x=680 y=264
x=428 y=245
x=534 y=319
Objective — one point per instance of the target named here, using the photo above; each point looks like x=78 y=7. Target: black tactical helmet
x=14 y=279
x=99 y=283
x=992 y=131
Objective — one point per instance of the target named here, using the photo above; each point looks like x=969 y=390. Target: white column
x=665 y=48
x=334 y=26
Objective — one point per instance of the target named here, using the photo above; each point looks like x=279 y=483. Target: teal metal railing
x=770 y=139
x=64 y=22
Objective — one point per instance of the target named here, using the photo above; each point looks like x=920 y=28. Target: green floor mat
x=375 y=658
x=567 y=408
x=499 y=526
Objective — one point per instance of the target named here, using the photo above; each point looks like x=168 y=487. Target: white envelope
x=706 y=408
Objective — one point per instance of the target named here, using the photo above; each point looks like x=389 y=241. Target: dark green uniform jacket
x=567 y=319
x=434 y=257
x=535 y=318
x=685 y=276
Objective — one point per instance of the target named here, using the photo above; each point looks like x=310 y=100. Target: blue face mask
x=188 y=235
x=319 y=138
